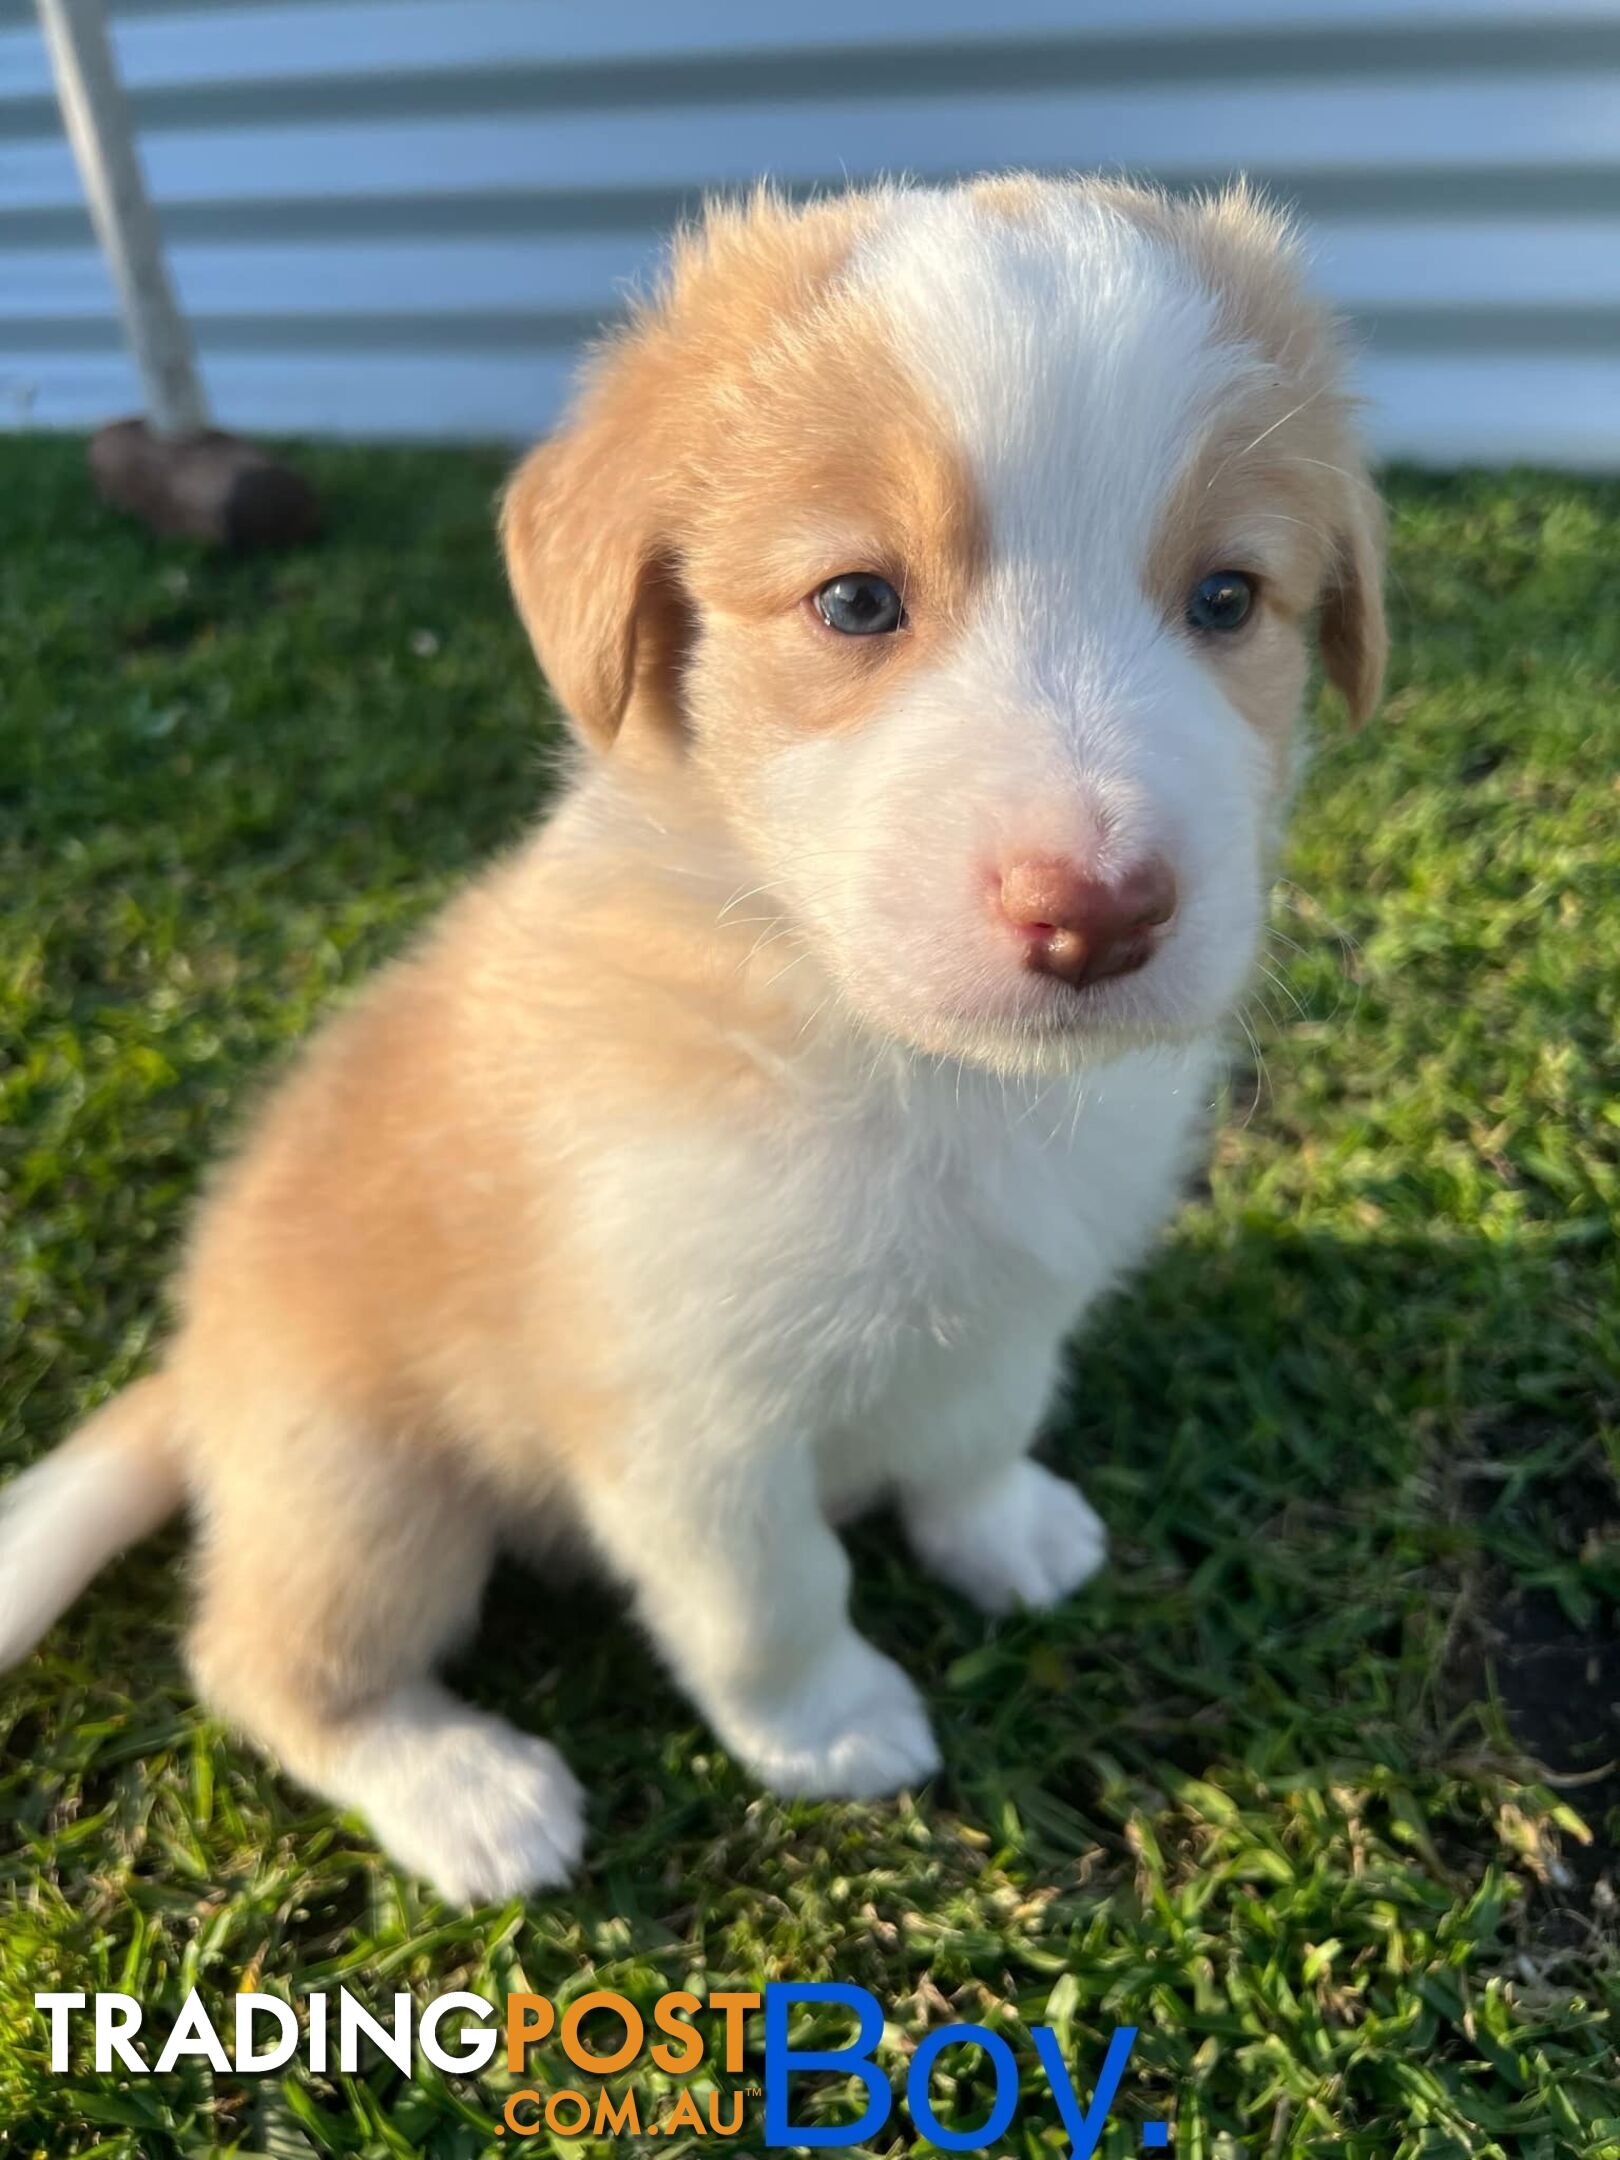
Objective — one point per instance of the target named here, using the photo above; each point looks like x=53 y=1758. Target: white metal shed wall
x=400 y=217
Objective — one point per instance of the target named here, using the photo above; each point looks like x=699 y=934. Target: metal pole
x=97 y=117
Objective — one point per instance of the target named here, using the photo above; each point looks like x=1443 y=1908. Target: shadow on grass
x=1352 y=1496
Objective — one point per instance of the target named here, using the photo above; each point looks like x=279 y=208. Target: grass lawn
x=1317 y=1786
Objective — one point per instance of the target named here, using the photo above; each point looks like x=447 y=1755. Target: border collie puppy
x=929 y=578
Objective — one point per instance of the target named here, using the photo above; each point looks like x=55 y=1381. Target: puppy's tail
x=114 y=1481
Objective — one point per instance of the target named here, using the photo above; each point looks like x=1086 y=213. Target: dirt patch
x=1559 y=1687
x=1557 y=1682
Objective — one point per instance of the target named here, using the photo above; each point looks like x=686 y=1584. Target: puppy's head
x=966 y=548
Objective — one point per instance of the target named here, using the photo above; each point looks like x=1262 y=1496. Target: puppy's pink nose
x=1082 y=928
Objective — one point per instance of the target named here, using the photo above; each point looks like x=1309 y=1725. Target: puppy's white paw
x=853 y=1728
x=482 y=1811
x=1028 y=1539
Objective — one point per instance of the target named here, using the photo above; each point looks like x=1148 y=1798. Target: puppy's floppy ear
x=591 y=568
x=1351 y=629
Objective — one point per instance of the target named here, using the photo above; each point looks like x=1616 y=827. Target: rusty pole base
x=211 y=487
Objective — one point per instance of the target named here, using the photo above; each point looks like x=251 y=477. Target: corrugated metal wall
x=399 y=217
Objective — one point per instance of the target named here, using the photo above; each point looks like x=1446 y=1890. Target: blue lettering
x=1085 y=2129
x=781 y=2062
x=1001 y=2110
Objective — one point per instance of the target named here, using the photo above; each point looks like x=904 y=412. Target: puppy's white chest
x=978 y=1203
x=890 y=1240
x=956 y=1206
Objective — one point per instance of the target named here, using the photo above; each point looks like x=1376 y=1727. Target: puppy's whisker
x=1255 y=441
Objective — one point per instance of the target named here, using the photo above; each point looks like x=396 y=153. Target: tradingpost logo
x=267 y=2035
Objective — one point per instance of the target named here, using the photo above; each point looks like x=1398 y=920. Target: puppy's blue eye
x=859 y=604
x=1220 y=601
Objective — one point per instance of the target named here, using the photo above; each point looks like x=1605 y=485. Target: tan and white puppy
x=928 y=577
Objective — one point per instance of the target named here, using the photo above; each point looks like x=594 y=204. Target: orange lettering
x=576 y=2050
x=735 y=2008
x=528 y=2018
x=672 y=2016
x=509 y=2114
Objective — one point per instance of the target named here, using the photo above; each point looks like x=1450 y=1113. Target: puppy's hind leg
x=335 y=1573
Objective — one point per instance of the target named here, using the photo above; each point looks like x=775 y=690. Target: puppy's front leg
x=1016 y=1538
x=745 y=1590
x=1004 y=1531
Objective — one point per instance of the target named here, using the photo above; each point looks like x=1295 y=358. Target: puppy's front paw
x=482 y=1811
x=1028 y=1539
x=852 y=1728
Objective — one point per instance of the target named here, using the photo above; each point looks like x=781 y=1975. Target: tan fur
x=705 y=478
x=391 y=1346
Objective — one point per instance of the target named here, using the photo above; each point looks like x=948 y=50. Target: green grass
x=1269 y=1790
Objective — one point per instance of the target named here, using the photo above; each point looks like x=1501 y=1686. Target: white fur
x=881 y=1318
x=904 y=1253
x=1019 y=1537
x=63 y=1519
x=483 y=1811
